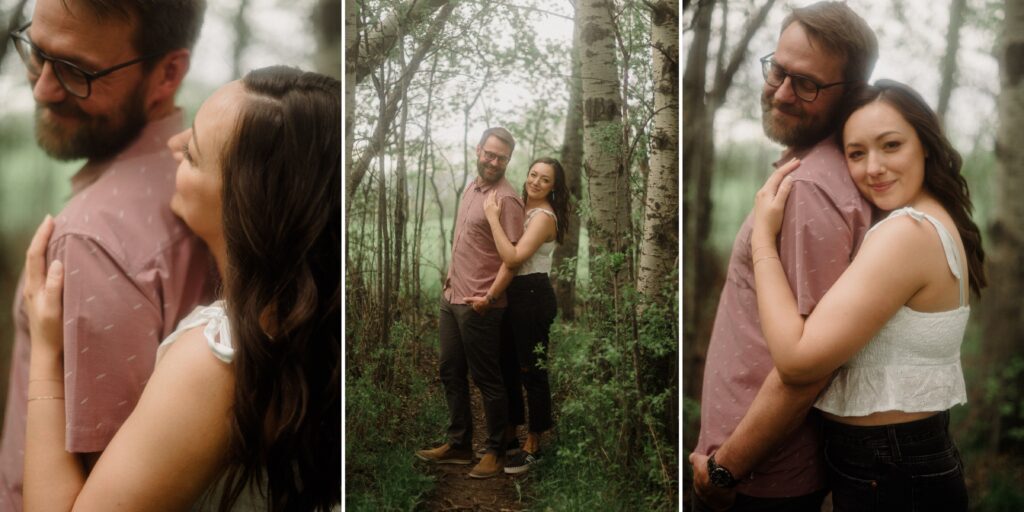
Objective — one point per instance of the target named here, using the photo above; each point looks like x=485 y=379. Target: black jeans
x=903 y=467
x=470 y=344
x=531 y=310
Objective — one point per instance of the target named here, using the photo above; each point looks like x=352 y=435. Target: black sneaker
x=521 y=462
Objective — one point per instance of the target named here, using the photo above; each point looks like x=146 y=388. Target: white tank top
x=913 y=363
x=539 y=261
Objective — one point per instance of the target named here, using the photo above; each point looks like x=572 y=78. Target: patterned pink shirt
x=824 y=223
x=475 y=258
x=132 y=271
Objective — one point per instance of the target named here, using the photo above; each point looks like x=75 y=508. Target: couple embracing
x=497 y=306
x=835 y=354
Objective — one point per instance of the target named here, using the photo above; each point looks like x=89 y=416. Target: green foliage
x=616 y=400
x=386 y=421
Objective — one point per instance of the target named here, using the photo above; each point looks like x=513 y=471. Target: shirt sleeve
x=512 y=217
x=815 y=243
x=111 y=333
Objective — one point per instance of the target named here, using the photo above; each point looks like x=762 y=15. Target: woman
x=531 y=301
x=891 y=326
x=242 y=409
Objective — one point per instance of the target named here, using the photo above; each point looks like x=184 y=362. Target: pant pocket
x=853 y=487
x=938 y=482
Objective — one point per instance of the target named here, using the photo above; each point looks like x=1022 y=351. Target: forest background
x=593 y=83
x=965 y=57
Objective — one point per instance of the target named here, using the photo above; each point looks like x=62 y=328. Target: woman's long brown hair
x=282 y=227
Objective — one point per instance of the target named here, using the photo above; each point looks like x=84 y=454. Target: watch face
x=721 y=477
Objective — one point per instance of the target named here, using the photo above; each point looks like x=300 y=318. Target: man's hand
x=717 y=498
x=479 y=304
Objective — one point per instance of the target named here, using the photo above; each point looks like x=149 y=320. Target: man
x=472 y=306
x=104 y=75
x=771 y=459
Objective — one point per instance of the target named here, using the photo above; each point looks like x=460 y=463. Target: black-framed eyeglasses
x=501 y=159
x=75 y=80
x=805 y=88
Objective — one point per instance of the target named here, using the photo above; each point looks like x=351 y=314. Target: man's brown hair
x=840 y=31
x=502 y=134
x=160 y=26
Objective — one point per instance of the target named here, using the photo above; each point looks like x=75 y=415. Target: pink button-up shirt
x=132 y=271
x=475 y=258
x=824 y=223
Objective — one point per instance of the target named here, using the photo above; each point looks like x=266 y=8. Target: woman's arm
x=540 y=230
x=168 y=451
x=886 y=273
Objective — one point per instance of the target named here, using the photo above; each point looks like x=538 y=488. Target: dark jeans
x=903 y=467
x=531 y=309
x=806 y=503
x=470 y=344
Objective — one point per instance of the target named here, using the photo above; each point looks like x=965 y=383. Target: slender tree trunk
x=401 y=197
x=1003 y=307
x=602 y=137
x=696 y=201
x=572 y=160
x=948 y=82
x=241 y=38
x=659 y=247
x=701 y=270
x=351 y=57
x=327 y=27
x=387 y=115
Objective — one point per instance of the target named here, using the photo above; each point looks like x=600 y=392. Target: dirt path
x=455 y=491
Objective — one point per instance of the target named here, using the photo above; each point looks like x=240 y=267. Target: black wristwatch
x=719 y=475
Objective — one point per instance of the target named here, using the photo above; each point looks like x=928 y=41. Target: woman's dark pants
x=904 y=467
x=524 y=347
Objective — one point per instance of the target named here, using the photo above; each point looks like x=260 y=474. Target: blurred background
x=237 y=36
x=955 y=53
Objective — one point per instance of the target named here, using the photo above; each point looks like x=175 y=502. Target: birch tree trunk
x=1003 y=307
x=607 y=182
x=572 y=160
x=659 y=245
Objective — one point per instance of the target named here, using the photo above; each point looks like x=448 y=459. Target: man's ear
x=166 y=78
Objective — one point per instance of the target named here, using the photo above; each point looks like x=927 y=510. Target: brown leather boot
x=488 y=467
x=445 y=454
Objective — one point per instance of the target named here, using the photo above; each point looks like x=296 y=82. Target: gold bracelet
x=772 y=246
x=46 y=380
x=766 y=258
x=47 y=397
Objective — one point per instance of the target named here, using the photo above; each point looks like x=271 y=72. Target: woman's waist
x=526 y=283
x=912 y=437
x=878 y=419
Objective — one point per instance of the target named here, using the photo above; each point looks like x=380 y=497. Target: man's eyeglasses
x=501 y=159
x=75 y=80
x=805 y=88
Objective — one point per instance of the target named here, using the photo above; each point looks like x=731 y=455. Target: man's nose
x=47 y=88
x=784 y=92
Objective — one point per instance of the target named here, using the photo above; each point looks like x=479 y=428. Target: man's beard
x=481 y=167
x=98 y=136
x=807 y=131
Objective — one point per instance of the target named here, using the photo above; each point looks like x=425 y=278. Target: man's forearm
x=777 y=410
x=501 y=281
